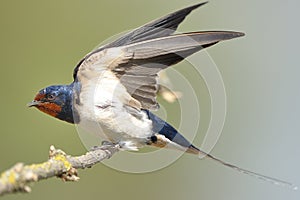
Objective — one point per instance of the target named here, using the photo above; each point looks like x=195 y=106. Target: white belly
x=102 y=112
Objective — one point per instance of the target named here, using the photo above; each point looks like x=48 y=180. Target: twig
x=59 y=164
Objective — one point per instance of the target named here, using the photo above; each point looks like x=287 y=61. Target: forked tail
x=168 y=136
x=194 y=150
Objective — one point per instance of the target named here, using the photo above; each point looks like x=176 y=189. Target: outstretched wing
x=139 y=74
x=136 y=65
x=161 y=27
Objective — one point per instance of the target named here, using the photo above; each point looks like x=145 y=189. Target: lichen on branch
x=17 y=178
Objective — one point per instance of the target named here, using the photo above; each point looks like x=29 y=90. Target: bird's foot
x=122 y=145
x=104 y=145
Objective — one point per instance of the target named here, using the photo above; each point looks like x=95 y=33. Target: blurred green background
x=41 y=42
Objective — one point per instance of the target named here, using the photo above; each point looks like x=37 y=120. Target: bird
x=115 y=87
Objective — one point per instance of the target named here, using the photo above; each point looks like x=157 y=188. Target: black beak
x=33 y=103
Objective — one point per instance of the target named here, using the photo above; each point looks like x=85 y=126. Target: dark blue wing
x=161 y=27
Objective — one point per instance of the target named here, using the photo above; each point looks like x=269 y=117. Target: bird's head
x=56 y=101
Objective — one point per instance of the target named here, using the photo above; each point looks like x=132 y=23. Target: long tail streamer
x=272 y=180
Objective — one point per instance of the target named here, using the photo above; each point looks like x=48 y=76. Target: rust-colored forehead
x=39 y=96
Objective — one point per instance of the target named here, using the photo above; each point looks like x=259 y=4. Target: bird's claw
x=104 y=146
x=106 y=143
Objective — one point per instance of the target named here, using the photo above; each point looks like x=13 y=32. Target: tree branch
x=59 y=164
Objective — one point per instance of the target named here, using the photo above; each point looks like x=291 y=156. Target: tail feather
x=194 y=150
x=168 y=136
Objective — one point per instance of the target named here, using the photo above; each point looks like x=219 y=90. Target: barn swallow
x=115 y=86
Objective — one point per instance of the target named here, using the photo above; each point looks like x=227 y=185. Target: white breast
x=102 y=101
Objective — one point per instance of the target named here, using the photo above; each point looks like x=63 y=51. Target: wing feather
x=151 y=56
x=135 y=58
x=163 y=26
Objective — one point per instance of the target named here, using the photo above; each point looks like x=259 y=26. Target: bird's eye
x=51 y=97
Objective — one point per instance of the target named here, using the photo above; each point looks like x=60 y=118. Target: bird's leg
x=104 y=145
x=108 y=147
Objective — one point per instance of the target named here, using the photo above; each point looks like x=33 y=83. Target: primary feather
x=163 y=26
